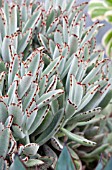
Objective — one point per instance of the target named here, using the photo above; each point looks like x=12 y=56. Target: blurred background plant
x=102 y=10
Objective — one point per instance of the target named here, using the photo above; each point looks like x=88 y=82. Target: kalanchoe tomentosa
x=53 y=83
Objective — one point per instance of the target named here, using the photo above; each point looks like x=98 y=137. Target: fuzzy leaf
x=3 y=112
x=31 y=149
x=85 y=116
x=24 y=41
x=72 y=71
x=43 y=40
x=95 y=119
x=52 y=67
x=13 y=20
x=16 y=111
x=5 y=49
x=24 y=12
x=2 y=66
x=51 y=46
x=52 y=26
x=38 y=119
x=32 y=21
x=2 y=163
x=78 y=139
x=42 y=84
x=1 y=126
x=48 y=97
x=54 y=106
x=58 y=37
x=50 y=18
x=24 y=84
x=67 y=66
x=52 y=83
x=31 y=115
x=3 y=23
x=4 y=144
x=65 y=31
x=73 y=44
x=13 y=69
x=51 y=129
x=2 y=81
x=8 y=122
x=30 y=95
x=35 y=61
x=18 y=132
x=56 y=51
x=70 y=109
x=92 y=73
x=87 y=98
x=46 y=122
x=90 y=33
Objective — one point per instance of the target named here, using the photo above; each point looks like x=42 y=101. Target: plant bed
x=54 y=86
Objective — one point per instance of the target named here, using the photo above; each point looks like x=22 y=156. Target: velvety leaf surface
x=65 y=161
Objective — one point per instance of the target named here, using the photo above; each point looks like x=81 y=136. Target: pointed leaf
x=3 y=112
x=52 y=67
x=78 y=139
x=4 y=144
x=41 y=114
x=17 y=113
x=48 y=97
x=65 y=161
x=24 y=41
x=31 y=149
x=32 y=21
x=51 y=129
x=5 y=49
x=24 y=84
x=18 y=132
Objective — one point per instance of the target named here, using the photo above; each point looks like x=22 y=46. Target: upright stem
x=27 y=138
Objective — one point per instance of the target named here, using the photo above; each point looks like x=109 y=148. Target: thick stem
x=27 y=138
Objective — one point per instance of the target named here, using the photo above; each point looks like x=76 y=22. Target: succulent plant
x=54 y=84
x=102 y=10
